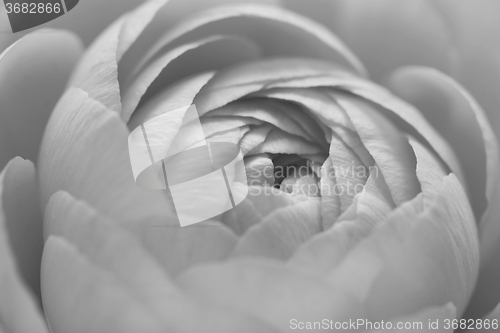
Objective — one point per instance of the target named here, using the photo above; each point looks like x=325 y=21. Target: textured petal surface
x=19 y=312
x=33 y=74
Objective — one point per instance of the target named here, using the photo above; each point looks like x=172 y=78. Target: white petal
x=23 y=219
x=458 y=117
x=431 y=319
x=84 y=152
x=269 y=291
x=236 y=82
x=172 y=98
x=19 y=312
x=33 y=74
x=106 y=282
x=389 y=148
x=97 y=72
x=183 y=61
x=416 y=260
x=279 y=142
x=281 y=232
x=298 y=35
x=386 y=34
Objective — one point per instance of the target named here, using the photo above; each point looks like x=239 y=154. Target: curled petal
x=183 y=61
x=33 y=74
x=389 y=148
x=387 y=34
x=298 y=35
x=458 y=117
x=19 y=312
x=97 y=72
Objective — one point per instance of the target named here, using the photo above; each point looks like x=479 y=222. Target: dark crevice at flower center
x=299 y=177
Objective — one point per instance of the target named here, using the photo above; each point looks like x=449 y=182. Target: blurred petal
x=106 y=282
x=474 y=24
x=281 y=232
x=19 y=311
x=178 y=248
x=269 y=291
x=97 y=72
x=436 y=262
x=420 y=321
x=23 y=220
x=386 y=34
x=88 y=19
x=493 y=318
x=33 y=74
x=458 y=117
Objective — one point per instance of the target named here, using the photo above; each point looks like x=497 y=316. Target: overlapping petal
x=33 y=74
x=87 y=287
x=19 y=258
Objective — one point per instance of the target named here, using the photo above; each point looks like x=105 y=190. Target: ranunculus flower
x=380 y=214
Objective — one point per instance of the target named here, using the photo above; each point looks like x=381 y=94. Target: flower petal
x=33 y=73
x=298 y=35
x=177 y=96
x=436 y=262
x=283 y=116
x=105 y=281
x=84 y=152
x=458 y=117
x=238 y=81
x=422 y=320
x=281 y=232
x=492 y=318
x=269 y=291
x=23 y=219
x=389 y=148
x=386 y=34
x=19 y=312
x=217 y=52
x=97 y=72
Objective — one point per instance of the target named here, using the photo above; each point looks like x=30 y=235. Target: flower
x=392 y=235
